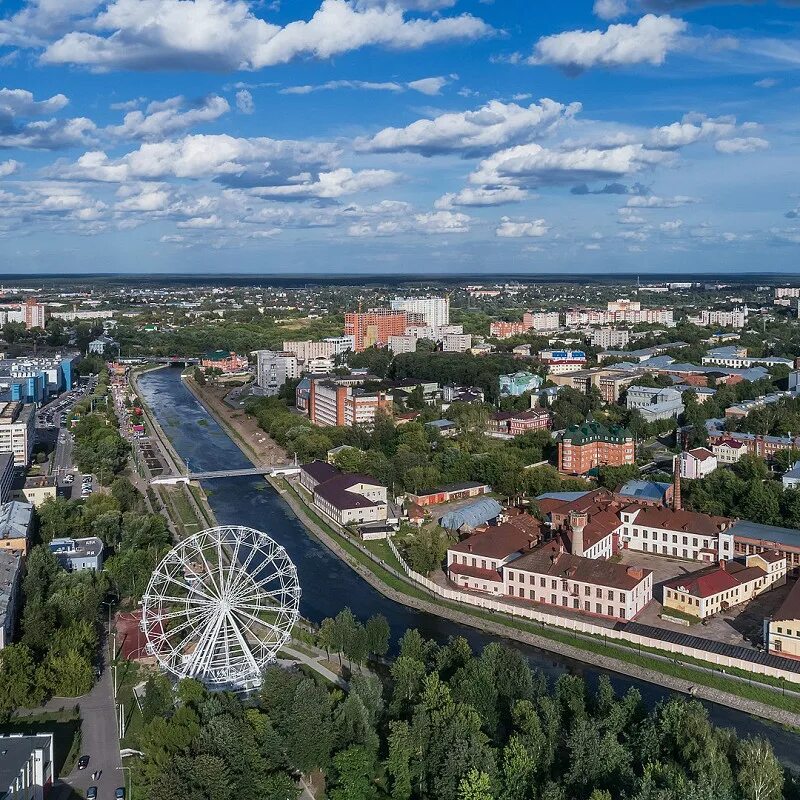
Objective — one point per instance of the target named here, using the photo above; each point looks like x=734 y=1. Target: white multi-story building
x=274 y=368
x=434 y=333
x=619 y=311
x=737 y=318
x=17 y=422
x=457 y=342
x=737 y=358
x=434 y=310
x=655 y=403
x=608 y=338
x=402 y=344
x=681 y=534
x=541 y=320
x=328 y=348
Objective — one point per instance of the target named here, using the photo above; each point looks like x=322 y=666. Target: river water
x=328 y=584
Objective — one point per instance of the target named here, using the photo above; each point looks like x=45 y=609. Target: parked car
x=83 y=762
x=119 y=794
x=91 y=793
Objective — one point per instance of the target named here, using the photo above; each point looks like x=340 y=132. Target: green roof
x=594 y=431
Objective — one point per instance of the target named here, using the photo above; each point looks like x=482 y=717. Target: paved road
x=99 y=742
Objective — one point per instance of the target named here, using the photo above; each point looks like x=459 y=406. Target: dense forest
x=444 y=724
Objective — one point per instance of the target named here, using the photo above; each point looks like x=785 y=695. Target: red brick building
x=514 y=423
x=584 y=447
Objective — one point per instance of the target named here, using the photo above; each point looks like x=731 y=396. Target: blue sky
x=399 y=136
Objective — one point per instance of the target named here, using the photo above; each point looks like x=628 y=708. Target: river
x=328 y=584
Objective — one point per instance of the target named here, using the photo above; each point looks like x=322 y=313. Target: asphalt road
x=99 y=741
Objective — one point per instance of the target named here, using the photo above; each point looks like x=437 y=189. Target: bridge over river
x=272 y=469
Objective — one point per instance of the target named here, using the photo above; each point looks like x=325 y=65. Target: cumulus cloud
x=18 y=106
x=747 y=144
x=244 y=102
x=532 y=164
x=610 y=9
x=197 y=156
x=646 y=42
x=492 y=126
x=694 y=128
x=429 y=223
x=429 y=86
x=333 y=184
x=9 y=167
x=509 y=229
x=225 y=35
x=166 y=118
x=482 y=197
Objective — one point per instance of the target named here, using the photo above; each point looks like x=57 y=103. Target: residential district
x=613 y=459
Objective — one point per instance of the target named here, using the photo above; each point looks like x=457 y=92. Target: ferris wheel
x=220 y=605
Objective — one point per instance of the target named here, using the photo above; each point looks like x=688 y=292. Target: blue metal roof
x=472 y=515
x=649 y=490
x=565 y=496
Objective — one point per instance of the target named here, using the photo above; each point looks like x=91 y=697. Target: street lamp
x=128 y=781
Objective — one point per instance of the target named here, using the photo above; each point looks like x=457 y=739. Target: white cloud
x=128 y=105
x=9 y=167
x=510 y=229
x=429 y=86
x=432 y=223
x=748 y=144
x=336 y=183
x=146 y=198
x=654 y=201
x=481 y=197
x=226 y=35
x=244 y=102
x=694 y=128
x=436 y=222
x=197 y=156
x=646 y=42
x=671 y=226
x=494 y=125
x=610 y=9
x=20 y=103
x=766 y=83
x=532 y=164
x=168 y=117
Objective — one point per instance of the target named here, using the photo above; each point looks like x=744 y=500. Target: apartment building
x=541 y=320
x=274 y=368
x=307 y=350
x=333 y=402
x=724 y=586
x=457 y=342
x=607 y=338
x=619 y=311
x=28 y=770
x=403 y=344
x=584 y=447
x=16 y=526
x=373 y=328
x=17 y=424
x=434 y=310
x=34 y=314
x=736 y=318
x=729 y=446
x=501 y=329
x=78 y=555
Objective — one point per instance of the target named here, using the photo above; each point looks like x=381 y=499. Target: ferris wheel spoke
x=281 y=634
x=209 y=574
x=233 y=571
x=193 y=622
x=204 y=649
x=189 y=600
x=245 y=647
x=191 y=589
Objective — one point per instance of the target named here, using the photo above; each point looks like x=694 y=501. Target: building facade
x=434 y=310
x=78 y=555
x=373 y=328
x=584 y=447
x=697 y=463
x=17 y=423
x=27 y=769
x=274 y=368
x=515 y=423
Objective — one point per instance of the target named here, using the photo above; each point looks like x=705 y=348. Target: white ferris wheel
x=220 y=605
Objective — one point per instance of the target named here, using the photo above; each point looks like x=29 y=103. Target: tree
x=355 y=767
x=426 y=549
x=157 y=697
x=760 y=775
x=475 y=785
x=309 y=738
x=378 y=633
x=400 y=761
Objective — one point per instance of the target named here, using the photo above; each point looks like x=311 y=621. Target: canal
x=328 y=584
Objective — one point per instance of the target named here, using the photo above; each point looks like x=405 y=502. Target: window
x=587 y=606
x=531 y=580
x=542 y=582
x=598 y=593
x=564 y=602
x=473 y=562
x=532 y=594
x=587 y=590
x=510 y=574
x=611 y=611
x=622 y=613
x=576 y=603
x=483 y=563
x=554 y=584
x=553 y=599
x=521 y=592
x=598 y=608
x=610 y=595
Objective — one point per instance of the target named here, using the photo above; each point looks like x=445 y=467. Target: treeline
x=446 y=725
x=414 y=457
x=746 y=491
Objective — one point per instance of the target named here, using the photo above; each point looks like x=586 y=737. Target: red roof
x=700 y=453
x=716 y=579
x=682 y=521
x=499 y=541
x=730 y=443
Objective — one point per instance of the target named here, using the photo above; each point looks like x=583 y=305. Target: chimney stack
x=676 y=490
x=578 y=520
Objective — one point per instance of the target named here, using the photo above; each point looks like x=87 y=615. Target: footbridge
x=272 y=469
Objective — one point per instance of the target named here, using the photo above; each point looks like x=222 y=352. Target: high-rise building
x=274 y=369
x=35 y=314
x=434 y=310
x=336 y=403
x=374 y=327
x=17 y=431
x=541 y=320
